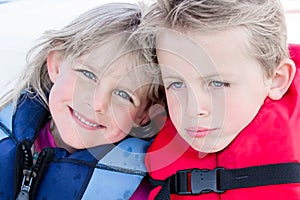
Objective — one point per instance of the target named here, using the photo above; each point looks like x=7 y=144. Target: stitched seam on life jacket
x=85 y=184
x=100 y=166
x=121 y=170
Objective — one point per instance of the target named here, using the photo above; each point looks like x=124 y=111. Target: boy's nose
x=197 y=103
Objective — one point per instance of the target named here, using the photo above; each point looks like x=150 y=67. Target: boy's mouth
x=199 y=131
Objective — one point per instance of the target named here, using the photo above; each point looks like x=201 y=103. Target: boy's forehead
x=181 y=48
x=208 y=53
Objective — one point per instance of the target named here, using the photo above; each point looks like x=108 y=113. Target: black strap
x=219 y=179
x=260 y=176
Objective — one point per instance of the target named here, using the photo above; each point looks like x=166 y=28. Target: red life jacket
x=272 y=137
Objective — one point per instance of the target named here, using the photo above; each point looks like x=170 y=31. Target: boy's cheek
x=176 y=111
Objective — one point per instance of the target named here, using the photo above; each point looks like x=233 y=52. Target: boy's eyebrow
x=170 y=77
x=218 y=77
x=210 y=76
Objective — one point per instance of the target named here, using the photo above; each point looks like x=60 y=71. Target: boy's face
x=96 y=99
x=214 y=88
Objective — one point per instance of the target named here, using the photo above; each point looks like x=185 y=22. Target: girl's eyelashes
x=124 y=95
x=88 y=74
x=218 y=84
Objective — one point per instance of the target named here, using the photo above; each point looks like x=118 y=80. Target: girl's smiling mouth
x=84 y=122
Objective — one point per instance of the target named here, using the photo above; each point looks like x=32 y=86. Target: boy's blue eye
x=176 y=85
x=89 y=75
x=218 y=84
x=124 y=95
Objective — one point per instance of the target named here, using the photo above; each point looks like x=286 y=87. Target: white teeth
x=85 y=121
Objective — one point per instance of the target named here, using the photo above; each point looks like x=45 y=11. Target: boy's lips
x=85 y=122
x=199 y=132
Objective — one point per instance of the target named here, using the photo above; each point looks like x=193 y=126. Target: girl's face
x=214 y=89
x=93 y=102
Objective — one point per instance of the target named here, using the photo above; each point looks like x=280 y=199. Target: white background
x=23 y=22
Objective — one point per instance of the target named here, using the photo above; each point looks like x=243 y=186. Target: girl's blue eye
x=176 y=85
x=124 y=95
x=218 y=84
x=89 y=75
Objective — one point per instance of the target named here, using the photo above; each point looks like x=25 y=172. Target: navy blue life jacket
x=111 y=171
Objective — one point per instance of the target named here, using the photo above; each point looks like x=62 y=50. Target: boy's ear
x=282 y=79
x=54 y=61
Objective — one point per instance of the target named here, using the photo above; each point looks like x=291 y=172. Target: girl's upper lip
x=84 y=117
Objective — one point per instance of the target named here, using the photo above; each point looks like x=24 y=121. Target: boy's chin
x=204 y=150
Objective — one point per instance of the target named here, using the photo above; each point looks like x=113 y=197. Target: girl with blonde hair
x=64 y=127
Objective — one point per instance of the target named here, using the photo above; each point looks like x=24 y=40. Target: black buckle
x=202 y=181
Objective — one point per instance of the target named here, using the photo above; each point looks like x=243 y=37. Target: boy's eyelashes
x=213 y=83
x=218 y=84
x=175 y=85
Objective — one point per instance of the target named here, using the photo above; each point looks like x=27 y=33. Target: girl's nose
x=101 y=99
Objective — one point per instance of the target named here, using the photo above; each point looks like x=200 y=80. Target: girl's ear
x=148 y=114
x=142 y=118
x=282 y=79
x=150 y=125
x=54 y=62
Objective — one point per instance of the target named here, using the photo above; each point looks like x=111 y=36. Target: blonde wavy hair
x=88 y=31
x=263 y=21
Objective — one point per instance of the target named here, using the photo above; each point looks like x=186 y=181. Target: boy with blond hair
x=233 y=97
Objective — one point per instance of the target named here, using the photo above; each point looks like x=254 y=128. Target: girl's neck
x=58 y=140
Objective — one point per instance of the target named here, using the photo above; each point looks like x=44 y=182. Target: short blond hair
x=263 y=21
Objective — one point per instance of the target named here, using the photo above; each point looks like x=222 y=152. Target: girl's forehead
x=112 y=64
x=111 y=52
x=108 y=51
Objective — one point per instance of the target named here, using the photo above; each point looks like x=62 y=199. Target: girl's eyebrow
x=100 y=69
x=86 y=65
x=99 y=73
